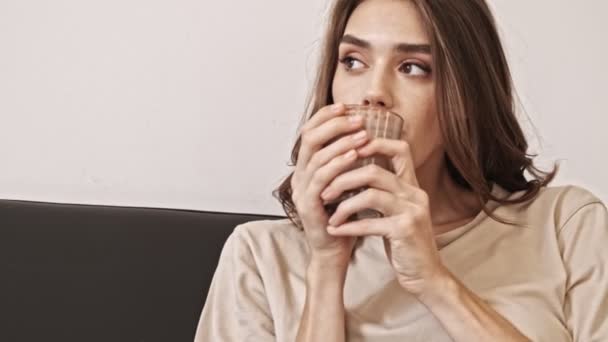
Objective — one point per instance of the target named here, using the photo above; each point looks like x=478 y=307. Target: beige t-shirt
x=547 y=276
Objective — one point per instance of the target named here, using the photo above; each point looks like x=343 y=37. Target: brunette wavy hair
x=484 y=142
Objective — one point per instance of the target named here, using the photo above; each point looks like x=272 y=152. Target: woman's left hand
x=406 y=227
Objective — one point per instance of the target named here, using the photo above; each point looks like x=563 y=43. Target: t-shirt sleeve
x=236 y=309
x=584 y=242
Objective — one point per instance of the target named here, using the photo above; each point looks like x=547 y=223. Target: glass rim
x=370 y=107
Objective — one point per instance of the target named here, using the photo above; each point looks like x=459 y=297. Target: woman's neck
x=451 y=205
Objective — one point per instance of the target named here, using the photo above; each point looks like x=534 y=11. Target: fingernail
x=360 y=135
x=355 y=119
x=350 y=154
x=337 y=108
x=326 y=193
x=332 y=221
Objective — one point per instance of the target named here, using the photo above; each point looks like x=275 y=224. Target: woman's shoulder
x=261 y=234
x=266 y=227
x=562 y=202
x=567 y=197
x=268 y=246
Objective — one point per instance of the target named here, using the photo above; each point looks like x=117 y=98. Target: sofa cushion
x=74 y=272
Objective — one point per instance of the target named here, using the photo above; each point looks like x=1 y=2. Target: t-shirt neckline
x=448 y=237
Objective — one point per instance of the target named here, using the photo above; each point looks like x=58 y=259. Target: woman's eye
x=414 y=69
x=347 y=62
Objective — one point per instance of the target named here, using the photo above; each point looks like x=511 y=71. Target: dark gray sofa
x=73 y=272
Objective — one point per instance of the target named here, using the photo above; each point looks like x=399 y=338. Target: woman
x=467 y=249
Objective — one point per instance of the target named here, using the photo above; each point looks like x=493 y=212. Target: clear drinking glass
x=379 y=123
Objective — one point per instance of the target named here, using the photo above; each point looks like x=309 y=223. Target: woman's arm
x=236 y=309
x=323 y=314
x=583 y=241
x=464 y=315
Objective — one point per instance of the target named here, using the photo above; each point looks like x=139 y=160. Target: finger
x=404 y=225
x=365 y=227
x=400 y=153
x=371 y=198
x=370 y=175
x=322 y=115
x=314 y=139
x=341 y=146
x=322 y=176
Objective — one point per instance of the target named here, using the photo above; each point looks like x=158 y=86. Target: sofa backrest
x=72 y=272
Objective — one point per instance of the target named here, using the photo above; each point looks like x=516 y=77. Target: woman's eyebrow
x=401 y=47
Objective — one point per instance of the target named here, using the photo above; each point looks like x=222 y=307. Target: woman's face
x=372 y=70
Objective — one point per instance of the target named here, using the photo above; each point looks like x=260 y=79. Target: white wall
x=195 y=104
x=557 y=50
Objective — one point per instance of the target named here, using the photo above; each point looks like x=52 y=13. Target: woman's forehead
x=385 y=23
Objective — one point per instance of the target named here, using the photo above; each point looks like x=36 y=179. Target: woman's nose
x=378 y=94
x=378 y=101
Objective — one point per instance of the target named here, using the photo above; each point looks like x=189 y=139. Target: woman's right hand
x=318 y=164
